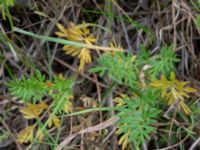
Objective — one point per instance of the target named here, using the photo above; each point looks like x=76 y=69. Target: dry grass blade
x=102 y=125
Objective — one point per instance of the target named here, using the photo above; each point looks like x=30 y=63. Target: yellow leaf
x=54 y=120
x=78 y=33
x=75 y=30
x=162 y=83
x=172 y=76
x=174 y=90
x=29 y=113
x=68 y=107
x=120 y=100
x=85 y=55
x=185 y=108
x=26 y=135
x=61 y=28
x=89 y=40
x=73 y=37
x=181 y=84
x=124 y=140
x=190 y=90
x=86 y=31
x=33 y=111
x=85 y=58
x=60 y=34
x=71 y=50
x=42 y=105
x=83 y=27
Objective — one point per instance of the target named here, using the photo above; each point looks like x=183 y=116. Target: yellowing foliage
x=124 y=140
x=33 y=111
x=54 y=120
x=68 y=105
x=174 y=91
x=77 y=33
x=120 y=100
x=26 y=135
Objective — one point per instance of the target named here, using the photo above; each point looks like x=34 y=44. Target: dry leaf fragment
x=68 y=106
x=54 y=120
x=85 y=58
x=33 y=111
x=88 y=101
x=95 y=128
x=124 y=140
x=26 y=135
x=63 y=32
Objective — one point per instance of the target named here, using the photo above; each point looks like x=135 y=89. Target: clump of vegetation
x=139 y=105
x=33 y=92
x=141 y=101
